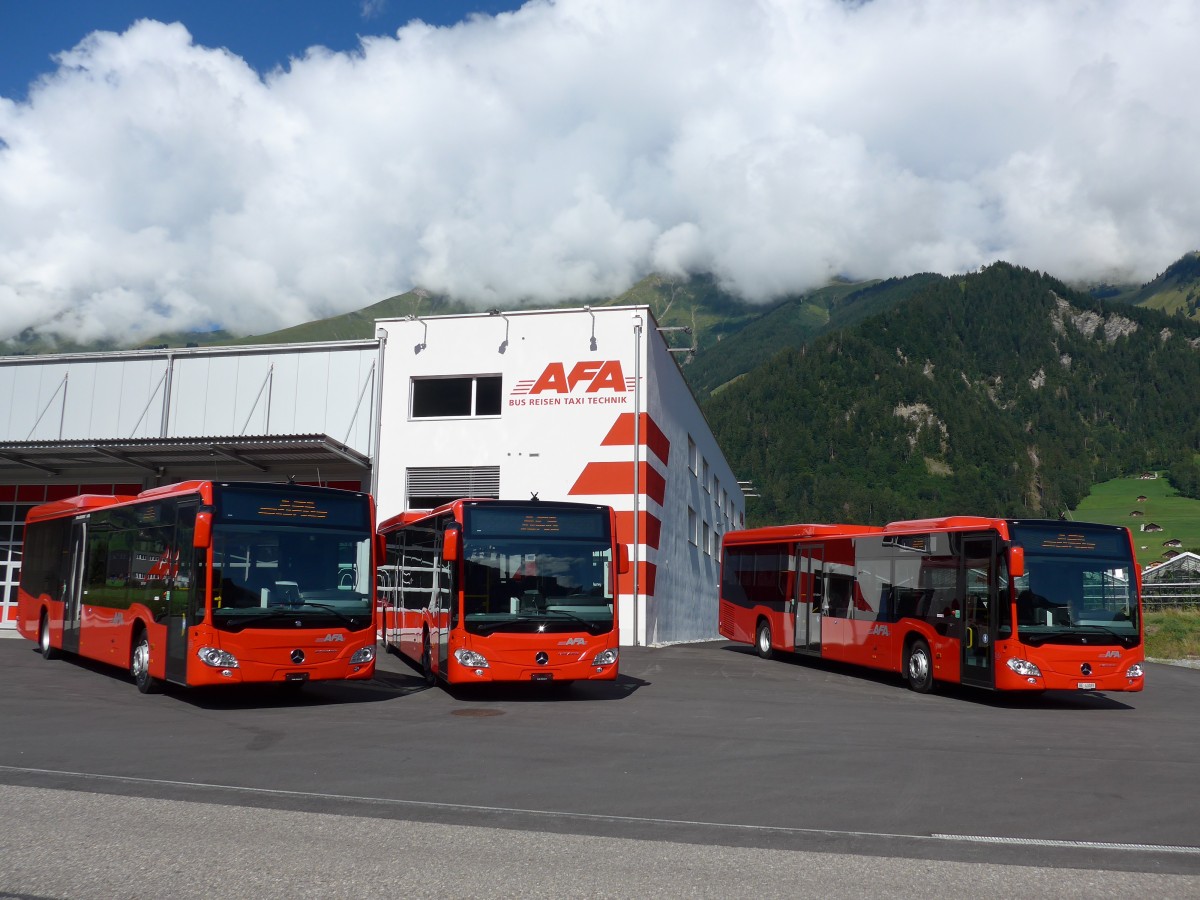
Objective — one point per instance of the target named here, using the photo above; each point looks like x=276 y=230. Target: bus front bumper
x=1080 y=670
x=532 y=665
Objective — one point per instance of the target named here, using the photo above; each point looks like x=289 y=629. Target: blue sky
x=266 y=33
x=177 y=165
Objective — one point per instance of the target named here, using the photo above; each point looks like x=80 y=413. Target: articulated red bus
x=495 y=590
x=1003 y=604
x=205 y=583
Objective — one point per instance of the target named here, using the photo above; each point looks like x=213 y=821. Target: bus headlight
x=363 y=655
x=471 y=659
x=1135 y=671
x=218 y=659
x=1024 y=667
x=606 y=658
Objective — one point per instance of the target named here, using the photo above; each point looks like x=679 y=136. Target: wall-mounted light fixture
x=504 y=343
x=690 y=351
x=592 y=343
x=421 y=345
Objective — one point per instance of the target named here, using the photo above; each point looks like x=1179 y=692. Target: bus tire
x=427 y=661
x=918 y=666
x=762 y=640
x=139 y=665
x=48 y=650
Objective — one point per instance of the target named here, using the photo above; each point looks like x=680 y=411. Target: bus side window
x=839 y=588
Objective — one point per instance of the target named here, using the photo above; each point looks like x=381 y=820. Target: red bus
x=1002 y=604
x=205 y=583
x=482 y=591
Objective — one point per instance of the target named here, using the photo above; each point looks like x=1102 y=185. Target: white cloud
x=572 y=147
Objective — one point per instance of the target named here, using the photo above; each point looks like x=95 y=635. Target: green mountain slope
x=1002 y=392
x=793 y=323
x=357 y=325
x=1175 y=291
x=696 y=304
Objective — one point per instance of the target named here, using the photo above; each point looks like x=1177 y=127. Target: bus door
x=182 y=597
x=809 y=595
x=443 y=606
x=73 y=589
x=977 y=587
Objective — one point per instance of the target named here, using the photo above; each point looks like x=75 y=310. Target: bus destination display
x=499 y=521
x=1054 y=538
x=297 y=508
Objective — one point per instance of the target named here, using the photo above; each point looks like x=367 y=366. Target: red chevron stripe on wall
x=621 y=435
x=617 y=478
x=649 y=528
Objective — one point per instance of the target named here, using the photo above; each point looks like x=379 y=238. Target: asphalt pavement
x=703 y=771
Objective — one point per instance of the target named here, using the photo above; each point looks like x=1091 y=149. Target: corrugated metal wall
x=271 y=390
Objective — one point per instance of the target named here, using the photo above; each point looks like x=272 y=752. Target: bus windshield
x=532 y=584
x=1079 y=586
x=289 y=577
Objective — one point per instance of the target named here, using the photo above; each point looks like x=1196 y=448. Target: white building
x=583 y=404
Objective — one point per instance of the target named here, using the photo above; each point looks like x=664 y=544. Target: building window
x=693 y=456
x=704 y=478
x=693 y=529
x=707 y=544
x=462 y=396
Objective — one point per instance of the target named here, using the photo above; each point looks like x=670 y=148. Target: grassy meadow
x=1170 y=633
x=1173 y=634
x=1113 y=501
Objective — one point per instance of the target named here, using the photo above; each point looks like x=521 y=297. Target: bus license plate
x=1086 y=685
x=542 y=676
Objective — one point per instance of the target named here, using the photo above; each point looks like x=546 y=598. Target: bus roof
x=793 y=532
x=408 y=517
x=86 y=502
x=75 y=505
x=947 y=523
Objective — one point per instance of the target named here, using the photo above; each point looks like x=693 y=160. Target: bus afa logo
x=589 y=381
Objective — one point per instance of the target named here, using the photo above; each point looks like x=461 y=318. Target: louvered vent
x=432 y=486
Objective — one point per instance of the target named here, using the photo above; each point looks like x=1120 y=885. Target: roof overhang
x=305 y=457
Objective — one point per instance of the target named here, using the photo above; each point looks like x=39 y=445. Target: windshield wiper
x=1123 y=639
x=353 y=623
x=489 y=627
x=242 y=622
x=590 y=626
x=1072 y=633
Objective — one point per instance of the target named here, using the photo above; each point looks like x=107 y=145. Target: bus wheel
x=918 y=666
x=139 y=665
x=762 y=640
x=47 y=650
x=427 y=661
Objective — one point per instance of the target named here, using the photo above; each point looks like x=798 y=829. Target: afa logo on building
x=587 y=381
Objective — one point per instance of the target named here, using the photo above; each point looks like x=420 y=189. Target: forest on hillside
x=1002 y=392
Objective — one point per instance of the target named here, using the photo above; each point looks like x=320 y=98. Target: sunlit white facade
x=581 y=404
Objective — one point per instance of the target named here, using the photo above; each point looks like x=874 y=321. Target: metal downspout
x=637 y=475
x=373 y=452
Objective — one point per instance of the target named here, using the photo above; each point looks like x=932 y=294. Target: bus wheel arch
x=48 y=650
x=139 y=661
x=918 y=664
x=762 y=638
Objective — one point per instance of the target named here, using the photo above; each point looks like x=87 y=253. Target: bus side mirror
x=1016 y=562
x=202 y=534
x=451 y=545
x=622 y=558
